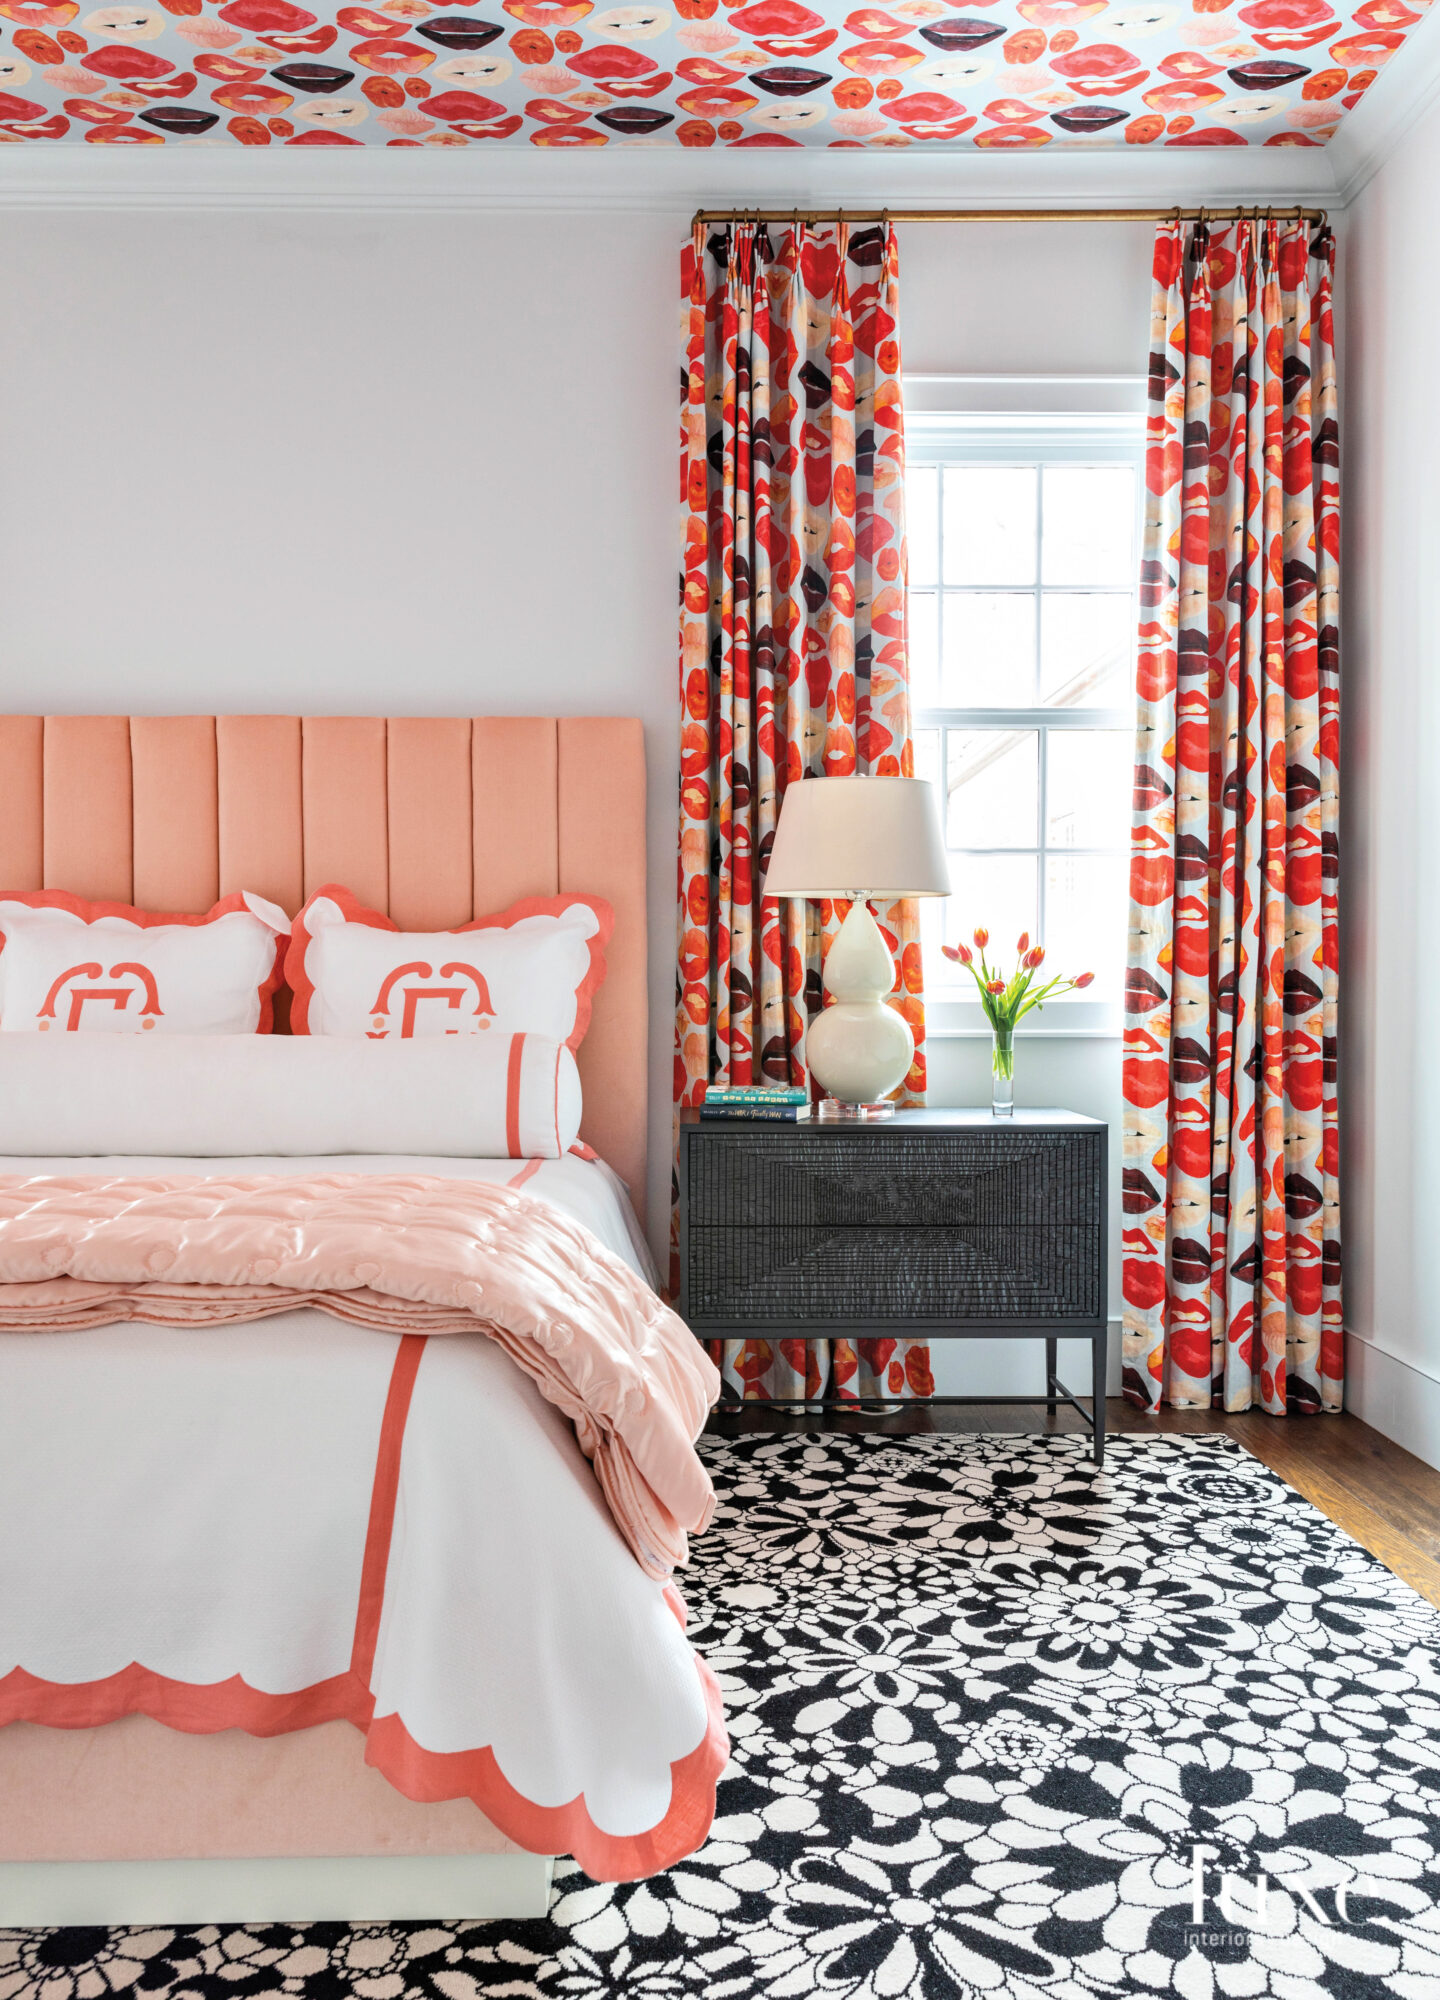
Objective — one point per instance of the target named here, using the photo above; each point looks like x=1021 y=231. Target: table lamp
x=857 y=838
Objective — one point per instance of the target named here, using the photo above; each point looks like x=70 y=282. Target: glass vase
x=1002 y=1073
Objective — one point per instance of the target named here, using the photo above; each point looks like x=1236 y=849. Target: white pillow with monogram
x=73 y=967
x=531 y=969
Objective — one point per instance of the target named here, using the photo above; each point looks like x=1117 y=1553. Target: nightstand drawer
x=932 y=1225
x=764 y=1177
x=986 y=1274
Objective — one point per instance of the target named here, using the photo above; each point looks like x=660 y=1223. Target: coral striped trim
x=382 y=1505
x=512 y=1096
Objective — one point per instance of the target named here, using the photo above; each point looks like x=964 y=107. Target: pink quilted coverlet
x=409 y=1254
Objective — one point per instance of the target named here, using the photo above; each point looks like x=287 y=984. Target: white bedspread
x=189 y=1528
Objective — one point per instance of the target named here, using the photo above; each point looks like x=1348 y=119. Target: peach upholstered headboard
x=433 y=820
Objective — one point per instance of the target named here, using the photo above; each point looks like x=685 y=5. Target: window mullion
x=939 y=675
x=1039 y=573
x=1042 y=836
x=1041 y=749
x=945 y=785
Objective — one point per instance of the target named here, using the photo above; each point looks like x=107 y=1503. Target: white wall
x=1032 y=298
x=425 y=465
x=1390 y=868
x=330 y=465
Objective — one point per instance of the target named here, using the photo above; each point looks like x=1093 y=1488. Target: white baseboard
x=1400 y=1401
x=1017 y=1367
x=389 y=1888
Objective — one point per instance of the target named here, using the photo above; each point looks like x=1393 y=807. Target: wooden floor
x=1386 y=1499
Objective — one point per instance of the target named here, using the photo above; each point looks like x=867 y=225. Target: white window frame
x=1023 y=420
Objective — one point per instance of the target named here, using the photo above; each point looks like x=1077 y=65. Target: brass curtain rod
x=1317 y=217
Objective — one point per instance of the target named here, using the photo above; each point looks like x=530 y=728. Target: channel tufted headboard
x=434 y=820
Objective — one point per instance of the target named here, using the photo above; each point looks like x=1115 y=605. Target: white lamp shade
x=858 y=837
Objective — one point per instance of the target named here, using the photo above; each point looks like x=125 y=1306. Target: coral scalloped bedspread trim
x=407 y=1254
x=427 y=1776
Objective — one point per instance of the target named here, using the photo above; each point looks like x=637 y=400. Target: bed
x=177 y=1805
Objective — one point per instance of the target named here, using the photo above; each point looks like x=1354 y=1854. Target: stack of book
x=763 y=1100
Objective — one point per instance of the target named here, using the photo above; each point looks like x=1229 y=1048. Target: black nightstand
x=931 y=1225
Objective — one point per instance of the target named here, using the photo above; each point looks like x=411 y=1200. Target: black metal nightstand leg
x=1099 y=1355
x=1052 y=1362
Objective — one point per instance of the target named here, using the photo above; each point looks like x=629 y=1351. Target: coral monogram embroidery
x=468 y=997
x=533 y=968
x=142 y=987
x=75 y=967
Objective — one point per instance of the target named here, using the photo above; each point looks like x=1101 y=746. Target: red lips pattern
x=792 y=655
x=1232 y=1245
x=997 y=74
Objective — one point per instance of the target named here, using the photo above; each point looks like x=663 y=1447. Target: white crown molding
x=646 y=179
x=1405 y=89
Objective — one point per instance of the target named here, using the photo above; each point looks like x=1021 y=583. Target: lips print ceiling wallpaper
x=1001 y=74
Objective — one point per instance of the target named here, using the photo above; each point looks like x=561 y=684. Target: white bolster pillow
x=211 y=1096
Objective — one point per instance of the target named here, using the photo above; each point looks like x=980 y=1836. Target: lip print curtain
x=1232 y=1235
x=792 y=665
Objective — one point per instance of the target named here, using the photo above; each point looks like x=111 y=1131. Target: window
x=1023 y=536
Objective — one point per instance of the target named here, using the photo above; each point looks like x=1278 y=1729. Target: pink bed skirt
x=137 y=1791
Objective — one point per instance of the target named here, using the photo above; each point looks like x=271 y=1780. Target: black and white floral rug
x=1004 y=1729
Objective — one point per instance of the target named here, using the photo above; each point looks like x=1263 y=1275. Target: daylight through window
x=1023 y=567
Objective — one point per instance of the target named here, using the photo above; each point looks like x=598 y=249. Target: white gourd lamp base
x=883 y=833
x=858 y=1048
